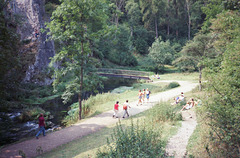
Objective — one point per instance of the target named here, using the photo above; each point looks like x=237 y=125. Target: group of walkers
x=142 y=95
x=141 y=99
x=125 y=109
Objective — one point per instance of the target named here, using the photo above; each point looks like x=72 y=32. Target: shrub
x=134 y=141
x=173 y=85
x=163 y=112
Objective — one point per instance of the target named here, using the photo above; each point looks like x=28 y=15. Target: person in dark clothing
x=36 y=33
x=41 y=126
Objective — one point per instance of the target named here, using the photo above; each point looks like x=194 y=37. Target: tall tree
x=188 y=7
x=75 y=24
x=152 y=11
x=117 y=9
x=134 y=15
x=196 y=51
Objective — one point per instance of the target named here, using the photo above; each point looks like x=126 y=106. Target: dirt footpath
x=177 y=144
x=88 y=126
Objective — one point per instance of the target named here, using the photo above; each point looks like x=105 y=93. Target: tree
x=133 y=14
x=152 y=11
x=197 y=50
x=161 y=52
x=75 y=25
x=121 y=48
x=211 y=9
x=117 y=6
x=9 y=59
x=223 y=76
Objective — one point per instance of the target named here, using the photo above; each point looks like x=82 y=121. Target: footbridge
x=124 y=73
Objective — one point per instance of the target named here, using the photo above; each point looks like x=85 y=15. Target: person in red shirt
x=41 y=126
x=116 y=106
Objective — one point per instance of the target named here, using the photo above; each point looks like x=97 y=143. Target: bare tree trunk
x=116 y=20
x=81 y=84
x=176 y=15
x=131 y=31
x=200 y=78
x=156 y=28
x=189 y=18
x=168 y=25
x=119 y=5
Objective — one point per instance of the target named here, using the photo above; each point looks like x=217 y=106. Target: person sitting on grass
x=181 y=98
x=191 y=103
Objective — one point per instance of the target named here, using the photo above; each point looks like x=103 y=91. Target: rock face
x=31 y=14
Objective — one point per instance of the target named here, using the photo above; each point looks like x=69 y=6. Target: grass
x=105 y=101
x=87 y=146
x=193 y=77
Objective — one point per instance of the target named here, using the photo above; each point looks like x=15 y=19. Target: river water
x=11 y=130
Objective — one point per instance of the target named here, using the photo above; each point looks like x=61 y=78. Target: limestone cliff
x=31 y=14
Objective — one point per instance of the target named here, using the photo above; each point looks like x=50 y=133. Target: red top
x=41 y=121
x=116 y=106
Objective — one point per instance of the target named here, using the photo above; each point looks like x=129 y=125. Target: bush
x=173 y=85
x=134 y=141
x=163 y=112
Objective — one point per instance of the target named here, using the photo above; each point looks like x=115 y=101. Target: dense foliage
x=9 y=63
x=222 y=74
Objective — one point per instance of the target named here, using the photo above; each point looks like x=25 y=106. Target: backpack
x=149 y=92
x=125 y=107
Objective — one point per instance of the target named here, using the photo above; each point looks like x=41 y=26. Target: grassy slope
x=87 y=146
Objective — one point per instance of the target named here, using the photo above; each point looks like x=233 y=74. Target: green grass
x=104 y=102
x=87 y=146
x=193 y=77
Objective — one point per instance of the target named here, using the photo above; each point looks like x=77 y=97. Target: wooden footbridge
x=124 y=73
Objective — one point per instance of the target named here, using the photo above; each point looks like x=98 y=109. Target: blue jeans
x=41 y=129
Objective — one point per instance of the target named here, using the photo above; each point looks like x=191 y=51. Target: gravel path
x=76 y=131
x=177 y=144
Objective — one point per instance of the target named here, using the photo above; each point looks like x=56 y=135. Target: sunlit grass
x=87 y=146
x=193 y=77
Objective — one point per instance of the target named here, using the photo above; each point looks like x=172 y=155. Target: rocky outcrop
x=31 y=16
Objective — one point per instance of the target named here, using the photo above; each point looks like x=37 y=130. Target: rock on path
x=88 y=126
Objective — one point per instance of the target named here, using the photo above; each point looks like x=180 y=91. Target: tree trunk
x=81 y=84
x=156 y=28
x=168 y=15
x=176 y=16
x=200 y=78
x=189 y=19
x=131 y=31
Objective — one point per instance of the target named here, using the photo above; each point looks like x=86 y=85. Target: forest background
x=147 y=35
